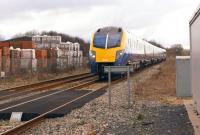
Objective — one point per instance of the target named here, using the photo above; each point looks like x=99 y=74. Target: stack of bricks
x=15 y=60
x=6 y=59
x=0 y=59
x=67 y=49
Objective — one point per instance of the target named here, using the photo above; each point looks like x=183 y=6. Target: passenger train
x=117 y=47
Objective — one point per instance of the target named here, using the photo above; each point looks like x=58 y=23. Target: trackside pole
x=129 y=87
x=109 y=86
x=118 y=69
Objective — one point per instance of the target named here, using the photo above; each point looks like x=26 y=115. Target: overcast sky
x=165 y=21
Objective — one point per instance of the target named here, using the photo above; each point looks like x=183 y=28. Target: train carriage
x=117 y=47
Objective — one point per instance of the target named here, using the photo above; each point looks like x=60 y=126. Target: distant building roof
x=24 y=38
x=195 y=15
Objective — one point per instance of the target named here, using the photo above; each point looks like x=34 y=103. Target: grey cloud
x=139 y=15
x=1 y=38
x=10 y=8
x=144 y=13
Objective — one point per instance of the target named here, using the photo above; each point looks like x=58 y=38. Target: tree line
x=175 y=49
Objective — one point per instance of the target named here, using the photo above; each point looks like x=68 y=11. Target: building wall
x=18 y=44
x=4 y=44
x=195 y=58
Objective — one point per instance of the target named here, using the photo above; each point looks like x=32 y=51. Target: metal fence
x=42 y=69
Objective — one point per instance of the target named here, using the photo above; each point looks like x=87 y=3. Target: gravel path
x=6 y=125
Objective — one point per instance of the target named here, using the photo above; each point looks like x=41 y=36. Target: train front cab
x=106 y=49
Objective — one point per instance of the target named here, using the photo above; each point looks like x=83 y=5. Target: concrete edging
x=194 y=118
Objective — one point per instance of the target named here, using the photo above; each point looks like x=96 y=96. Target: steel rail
x=54 y=93
x=42 y=82
x=45 y=86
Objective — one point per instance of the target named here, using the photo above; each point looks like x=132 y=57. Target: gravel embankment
x=6 y=125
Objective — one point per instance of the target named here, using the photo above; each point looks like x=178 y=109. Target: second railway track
x=44 y=85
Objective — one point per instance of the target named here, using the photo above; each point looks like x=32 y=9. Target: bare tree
x=178 y=48
x=32 y=33
x=28 y=33
x=153 y=42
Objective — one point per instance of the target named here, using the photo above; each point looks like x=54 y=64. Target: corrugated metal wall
x=183 y=84
x=195 y=58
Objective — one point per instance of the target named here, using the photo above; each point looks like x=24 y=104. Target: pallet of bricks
x=41 y=55
x=5 y=69
x=74 y=53
x=28 y=60
x=53 y=59
x=65 y=55
x=15 y=55
x=78 y=53
x=60 y=53
x=1 y=62
x=80 y=56
x=46 y=42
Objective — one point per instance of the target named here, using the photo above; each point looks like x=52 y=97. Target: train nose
x=106 y=56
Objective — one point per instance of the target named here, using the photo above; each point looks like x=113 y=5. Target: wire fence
x=41 y=69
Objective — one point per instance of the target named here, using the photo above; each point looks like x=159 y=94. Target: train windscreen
x=100 y=41
x=112 y=41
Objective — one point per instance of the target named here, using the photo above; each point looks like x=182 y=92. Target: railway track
x=44 y=85
x=74 y=102
x=83 y=98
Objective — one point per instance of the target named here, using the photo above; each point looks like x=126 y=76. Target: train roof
x=120 y=29
x=195 y=15
x=109 y=29
x=140 y=39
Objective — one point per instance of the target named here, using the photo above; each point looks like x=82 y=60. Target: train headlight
x=92 y=54
x=119 y=54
